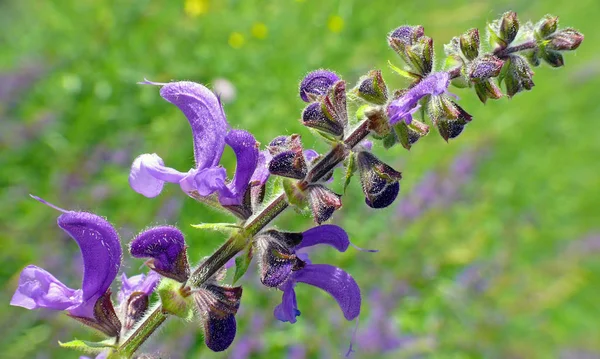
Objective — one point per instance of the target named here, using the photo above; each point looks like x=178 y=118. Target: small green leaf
x=242 y=262
x=89 y=347
x=350 y=169
x=403 y=73
x=226 y=228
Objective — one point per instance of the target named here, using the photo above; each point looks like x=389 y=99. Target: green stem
x=148 y=326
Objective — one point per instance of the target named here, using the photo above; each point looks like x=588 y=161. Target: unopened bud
x=487 y=89
x=323 y=202
x=452 y=128
x=519 y=76
x=509 y=26
x=442 y=107
x=485 y=67
x=547 y=26
x=313 y=116
x=316 y=84
x=469 y=44
x=405 y=35
x=288 y=164
x=565 y=40
x=372 y=88
x=553 y=58
x=408 y=135
x=379 y=181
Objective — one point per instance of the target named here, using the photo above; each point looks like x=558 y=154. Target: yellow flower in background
x=260 y=30
x=335 y=23
x=236 y=40
x=196 y=8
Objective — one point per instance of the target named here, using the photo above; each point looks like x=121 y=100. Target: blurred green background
x=491 y=250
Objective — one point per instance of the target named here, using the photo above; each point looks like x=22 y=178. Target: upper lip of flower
x=101 y=250
x=210 y=132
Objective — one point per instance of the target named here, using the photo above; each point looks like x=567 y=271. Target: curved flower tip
x=329 y=234
x=219 y=332
x=339 y=284
x=261 y=173
x=166 y=246
x=287 y=311
x=101 y=250
x=317 y=83
x=206 y=117
x=40 y=289
x=148 y=82
x=148 y=175
x=39 y=199
x=245 y=147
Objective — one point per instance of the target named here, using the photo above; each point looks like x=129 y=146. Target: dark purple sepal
x=136 y=306
x=547 y=26
x=487 y=89
x=323 y=202
x=334 y=104
x=288 y=164
x=316 y=84
x=276 y=256
x=408 y=135
x=517 y=75
x=165 y=246
x=105 y=318
x=379 y=181
x=314 y=117
x=245 y=209
x=449 y=128
x=219 y=332
x=372 y=88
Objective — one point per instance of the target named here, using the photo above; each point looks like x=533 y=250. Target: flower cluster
x=302 y=180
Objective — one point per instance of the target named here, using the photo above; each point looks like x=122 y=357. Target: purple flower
x=316 y=84
x=403 y=107
x=165 y=245
x=101 y=251
x=210 y=132
x=281 y=267
x=141 y=283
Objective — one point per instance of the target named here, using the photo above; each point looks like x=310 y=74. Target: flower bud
x=288 y=164
x=334 y=104
x=519 y=75
x=323 y=202
x=452 y=128
x=565 y=40
x=442 y=107
x=487 y=89
x=285 y=143
x=408 y=135
x=469 y=44
x=546 y=26
x=316 y=84
x=379 y=181
x=553 y=58
x=509 y=26
x=372 y=88
x=404 y=35
x=485 y=67
x=313 y=116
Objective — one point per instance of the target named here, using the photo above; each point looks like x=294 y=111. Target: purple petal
x=317 y=83
x=164 y=244
x=246 y=152
x=209 y=180
x=138 y=283
x=261 y=173
x=325 y=234
x=403 y=107
x=148 y=174
x=207 y=119
x=101 y=252
x=287 y=311
x=40 y=289
x=339 y=284
x=219 y=333
x=310 y=155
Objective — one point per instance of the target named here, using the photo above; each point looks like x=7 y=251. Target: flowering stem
x=527 y=45
x=149 y=324
x=239 y=240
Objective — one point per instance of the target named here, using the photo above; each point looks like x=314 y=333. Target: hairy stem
x=238 y=241
x=527 y=45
